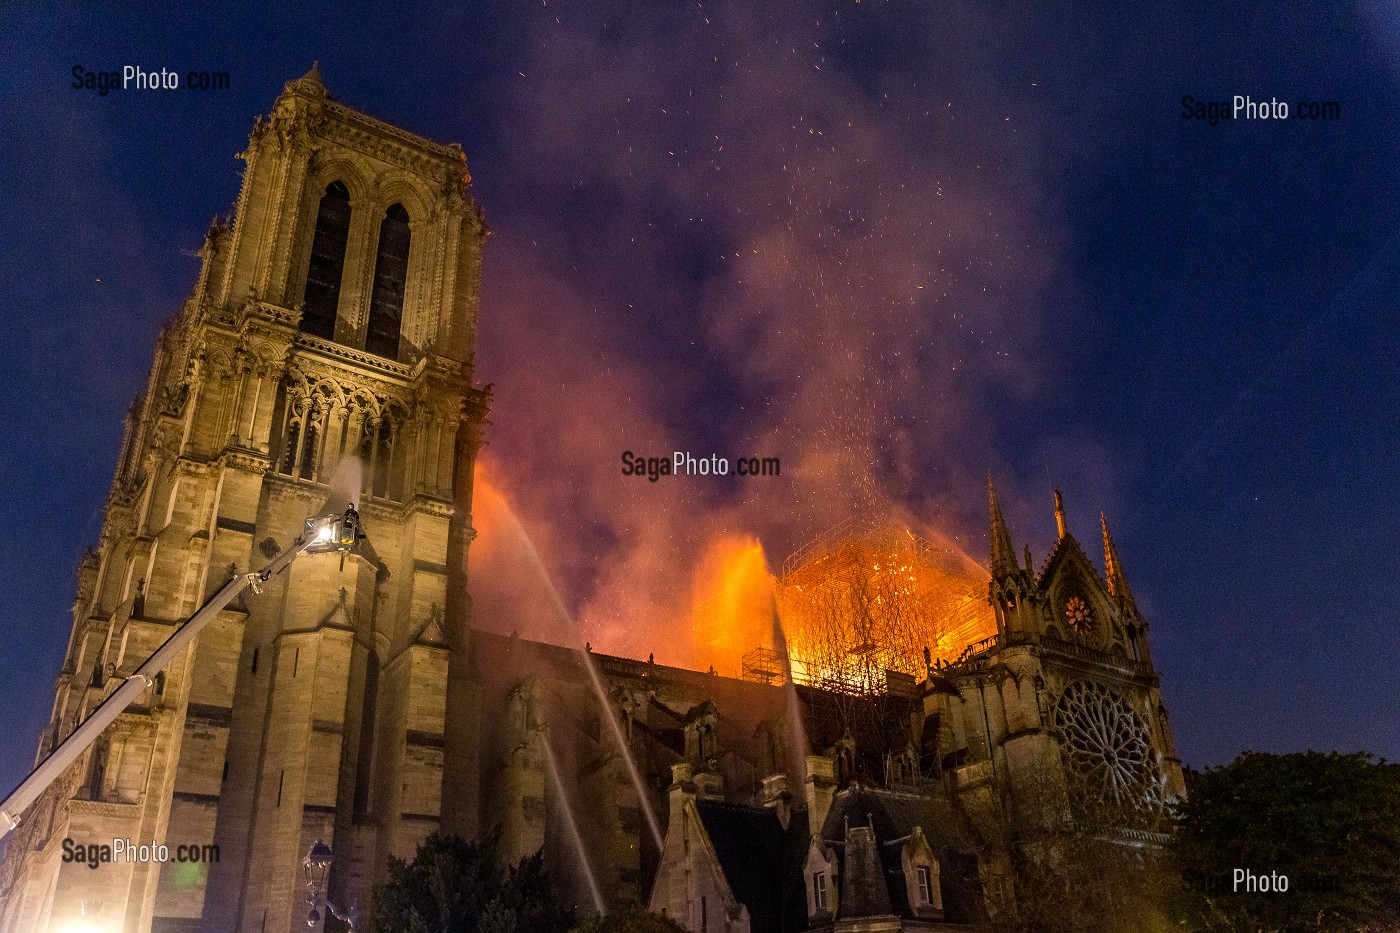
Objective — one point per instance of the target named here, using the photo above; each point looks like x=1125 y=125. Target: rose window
x=1107 y=748
x=1081 y=619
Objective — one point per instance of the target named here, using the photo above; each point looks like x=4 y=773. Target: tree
x=1078 y=862
x=1329 y=822
x=455 y=886
x=630 y=919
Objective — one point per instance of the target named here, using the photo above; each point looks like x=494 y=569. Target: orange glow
x=854 y=603
x=732 y=596
x=860 y=601
x=509 y=594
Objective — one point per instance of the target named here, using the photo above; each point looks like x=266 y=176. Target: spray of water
x=346 y=483
x=594 y=680
x=567 y=811
x=801 y=745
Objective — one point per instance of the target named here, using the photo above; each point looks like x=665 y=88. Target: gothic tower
x=1058 y=722
x=325 y=354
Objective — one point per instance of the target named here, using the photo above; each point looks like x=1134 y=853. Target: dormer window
x=921 y=880
x=925 y=886
x=819 y=870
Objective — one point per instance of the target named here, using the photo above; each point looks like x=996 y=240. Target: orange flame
x=732 y=596
x=853 y=604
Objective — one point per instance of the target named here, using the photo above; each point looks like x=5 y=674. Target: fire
x=732 y=597
x=854 y=603
x=860 y=600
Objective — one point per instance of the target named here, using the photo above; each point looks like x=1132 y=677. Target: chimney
x=682 y=789
x=864 y=890
x=709 y=784
x=777 y=798
x=821 y=788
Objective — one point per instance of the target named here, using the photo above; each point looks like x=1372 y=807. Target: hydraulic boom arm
x=330 y=533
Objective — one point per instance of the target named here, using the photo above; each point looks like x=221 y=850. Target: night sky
x=894 y=244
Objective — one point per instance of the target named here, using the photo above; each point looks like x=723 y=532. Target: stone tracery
x=1108 y=749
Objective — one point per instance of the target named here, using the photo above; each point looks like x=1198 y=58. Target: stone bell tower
x=325 y=354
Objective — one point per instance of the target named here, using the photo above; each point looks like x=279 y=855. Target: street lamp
x=316 y=867
x=86 y=921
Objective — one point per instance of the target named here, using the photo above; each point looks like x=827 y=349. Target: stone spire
x=310 y=83
x=1003 y=554
x=1060 y=516
x=1113 y=569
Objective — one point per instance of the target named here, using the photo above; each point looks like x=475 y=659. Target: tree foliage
x=1330 y=822
x=630 y=919
x=1074 y=868
x=455 y=886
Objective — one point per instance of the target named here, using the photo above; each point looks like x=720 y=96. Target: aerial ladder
x=336 y=532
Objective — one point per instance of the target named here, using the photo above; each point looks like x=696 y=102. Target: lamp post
x=317 y=869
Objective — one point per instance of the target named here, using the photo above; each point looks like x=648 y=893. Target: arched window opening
x=845 y=765
x=307 y=467
x=291 y=446
x=97 y=777
x=379 y=479
x=377 y=455
x=322 y=295
x=390 y=274
x=1041 y=702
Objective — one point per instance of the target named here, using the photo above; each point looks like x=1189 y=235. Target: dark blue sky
x=896 y=245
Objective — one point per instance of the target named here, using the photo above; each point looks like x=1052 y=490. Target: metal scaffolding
x=763 y=666
x=865 y=598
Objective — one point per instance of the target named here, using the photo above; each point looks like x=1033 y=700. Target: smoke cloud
x=815 y=235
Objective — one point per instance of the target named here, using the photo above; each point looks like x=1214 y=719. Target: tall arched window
x=311 y=436
x=390 y=273
x=377 y=455
x=327 y=262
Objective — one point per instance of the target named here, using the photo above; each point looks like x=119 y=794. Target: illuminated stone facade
x=946 y=802
x=261 y=738
x=327 y=353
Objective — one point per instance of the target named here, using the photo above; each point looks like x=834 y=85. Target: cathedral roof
x=866 y=829
x=1068 y=550
x=892 y=817
x=761 y=860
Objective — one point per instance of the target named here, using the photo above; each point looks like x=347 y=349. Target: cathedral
x=326 y=355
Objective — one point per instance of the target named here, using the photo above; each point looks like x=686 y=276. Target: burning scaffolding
x=863 y=599
x=764 y=666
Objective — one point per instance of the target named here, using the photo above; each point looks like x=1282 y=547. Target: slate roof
x=893 y=815
x=763 y=862
x=748 y=842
